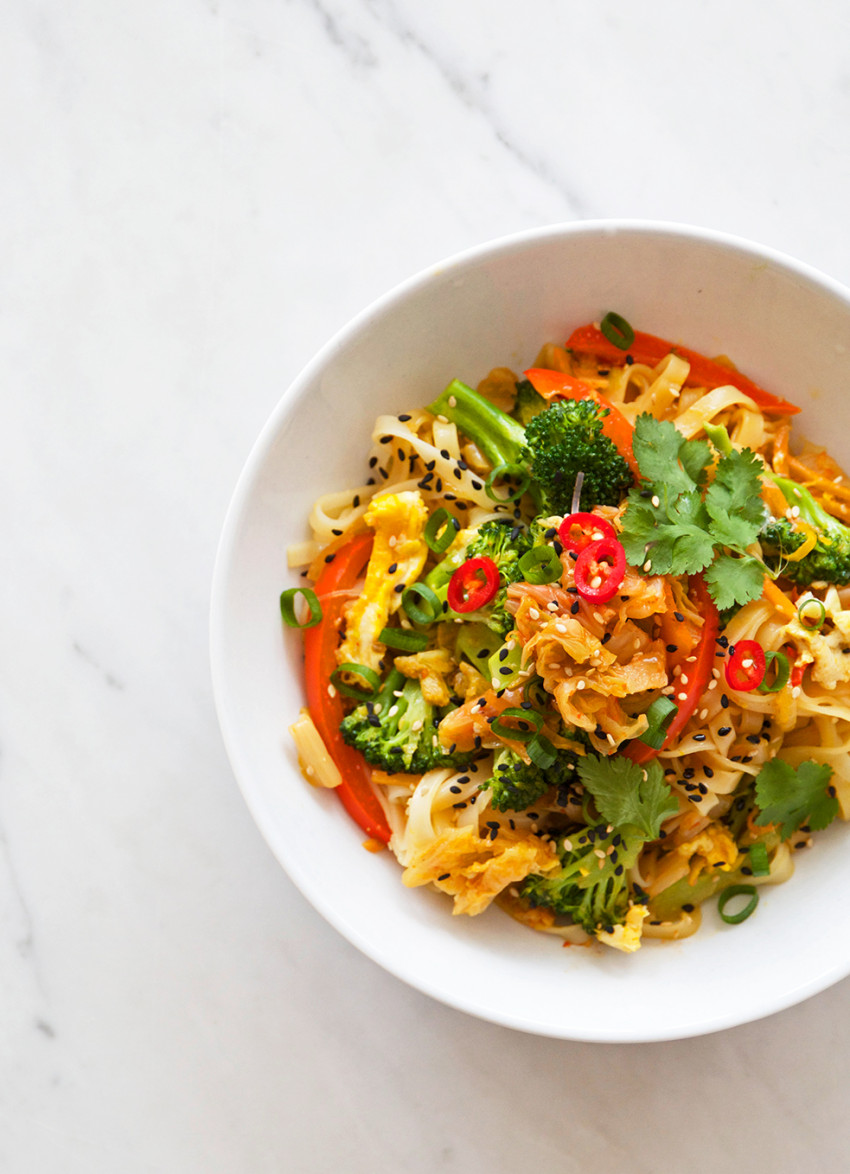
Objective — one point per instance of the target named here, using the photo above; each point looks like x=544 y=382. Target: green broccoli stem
x=498 y=437
x=810 y=511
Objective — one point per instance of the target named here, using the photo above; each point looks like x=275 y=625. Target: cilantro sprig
x=634 y=799
x=681 y=520
x=790 y=798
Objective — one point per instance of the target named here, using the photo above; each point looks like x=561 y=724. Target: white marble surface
x=193 y=197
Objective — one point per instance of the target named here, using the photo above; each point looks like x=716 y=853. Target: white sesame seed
x=331 y=691
x=581 y=685
x=596 y=581
x=392 y=711
x=443 y=419
x=703 y=714
x=611 y=739
x=599 y=852
x=417 y=725
x=568 y=845
x=712 y=685
x=795 y=692
x=600 y=619
x=647 y=566
x=533 y=613
x=452 y=401
x=552 y=605
x=681 y=697
x=559 y=627
x=746 y=664
x=656 y=501
x=684 y=679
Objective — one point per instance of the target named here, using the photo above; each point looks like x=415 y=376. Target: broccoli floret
x=596 y=898
x=398 y=730
x=829 y=560
x=566 y=440
x=504 y=543
x=516 y=784
x=528 y=402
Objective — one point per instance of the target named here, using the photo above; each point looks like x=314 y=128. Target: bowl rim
x=497 y=247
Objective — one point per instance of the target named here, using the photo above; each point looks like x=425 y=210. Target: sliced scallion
x=541 y=752
x=403 y=640
x=783 y=672
x=811 y=613
x=729 y=895
x=287 y=607
x=358 y=670
x=759 y=862
x=659 y=715
x=418 y=593
x=531 y=723
x=440 y=531
x=515 y=472
x=617 y=330
x=541 y=565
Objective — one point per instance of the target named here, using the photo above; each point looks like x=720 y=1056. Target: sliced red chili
x=600 y=569
x=473 y=584
x=746 y=667
x=590 y=529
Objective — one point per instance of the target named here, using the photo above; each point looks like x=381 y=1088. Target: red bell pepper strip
x=698 y=673
x=646 y=348
x=320 y=643
x=600 y=569
x=556 y=385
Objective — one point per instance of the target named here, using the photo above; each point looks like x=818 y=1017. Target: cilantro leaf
x=734 y=581
x=790 y=797
x=733 y=500
x=680 y=527
x=658 y=447
x=628 y=795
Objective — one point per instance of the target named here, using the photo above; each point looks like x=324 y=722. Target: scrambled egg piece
x=713 y=846
x=475 y=870
x=397 y=558
x=626 y=937
x=824 y=649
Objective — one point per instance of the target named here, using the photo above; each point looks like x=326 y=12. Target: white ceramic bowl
x=788 y=328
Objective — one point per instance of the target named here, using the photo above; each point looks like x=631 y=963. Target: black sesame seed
x=724 y=730
x=405 y=417
x=724 y=701
x=385 y=439
x=574 y=608
x=392 y=568
x=672 y=647
x=444 y=876
x=679 y=616
x=699 y=737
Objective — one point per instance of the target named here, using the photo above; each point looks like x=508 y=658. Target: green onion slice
x=403 y=640
x=421 y=615
x=541 y=565
x=534 y=691
x=529 y=717
x=541 y=752
x=811 y=613
x=440 y=531
x=617 y=330
x=506 y=470
x=659 y=715
x=729 y=895
x=783 y=672
x=287 y=607
x=759 y=862
x=360 y=670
